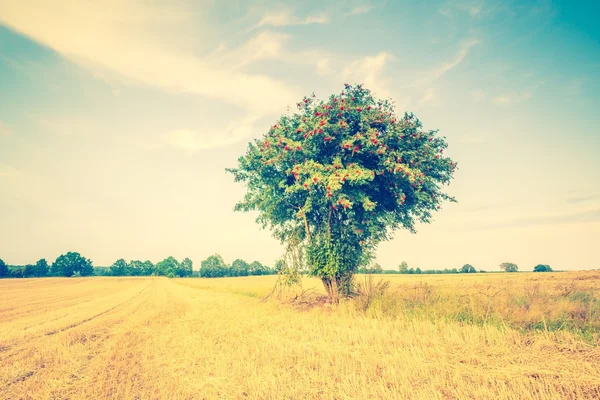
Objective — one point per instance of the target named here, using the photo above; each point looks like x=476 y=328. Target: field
x=496 y=336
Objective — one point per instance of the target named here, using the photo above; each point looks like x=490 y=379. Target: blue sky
x=117 y=121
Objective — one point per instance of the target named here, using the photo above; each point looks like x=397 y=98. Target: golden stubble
x=155 y=338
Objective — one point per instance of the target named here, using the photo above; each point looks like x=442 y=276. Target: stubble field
x=500 y=336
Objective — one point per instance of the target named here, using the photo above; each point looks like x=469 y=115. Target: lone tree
x=339 y=176
x=542 y=268
x=509 y=267
x=468 y=269
x=403 y=267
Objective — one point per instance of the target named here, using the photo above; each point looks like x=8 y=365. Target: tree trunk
x=330 y=288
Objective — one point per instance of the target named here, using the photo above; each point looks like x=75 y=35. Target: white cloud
x=448 y=65
x=428 y=97
x=194 y=140
x=478 y=95
x=266 y=45
x=363 y=9
x=512 y=98
x=286 y=18
x=138 y=42
x=323 y=67
x=369 y=70
x=475 y=11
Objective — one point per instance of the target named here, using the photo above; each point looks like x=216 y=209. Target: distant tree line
x=465 y=269
x=74 y=264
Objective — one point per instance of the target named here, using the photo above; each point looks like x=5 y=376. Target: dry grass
x=157 y=338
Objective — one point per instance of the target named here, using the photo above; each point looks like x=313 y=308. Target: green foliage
x=341 y=175
x=185 y=268
x=509 y=267
x=41 y=268
x=15 y=271
x=29 y=271
x=136 y=268
x=468 y=269
x=239 y=267
x=167 y=266
x=256 y=268
x=120 y=268
x=148 y=268
x=403 y=267
x=213 y=267
x=71 y=263
x=3 y=269
x=542 y=268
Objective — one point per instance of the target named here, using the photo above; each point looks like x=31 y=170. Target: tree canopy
x=509 y=267
x=339 y=176
x=468 y=269
x=70 y=264
x=542 y=268
x=3 y=269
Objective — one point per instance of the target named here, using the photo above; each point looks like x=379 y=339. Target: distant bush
x=542 y=268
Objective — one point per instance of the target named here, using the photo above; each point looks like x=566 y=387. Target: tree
x=339 y=176
x=542 y=268
x=240 y=268
x=509 y=267
x=376 y=269
x=403 y=267
x=71 y=263
x=136 y=268
x=119 y=268
x=29 y=271
x=167 y=267
x=41 y=267
x=185 y=268
x=468 y=269
x=418 y=271
x=3 y=269
x=213 y=267
x=256 y=268
x=148 y=268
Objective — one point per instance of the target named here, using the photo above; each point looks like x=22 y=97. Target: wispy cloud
x=512 y=98
x=447 y=66
x=428 y=97
x=369 y=70
x=132 y=46
x=287 y=18
x=191 y=140
x=581 y=199
x=265 y=45
x=362 y=9
x=590 y=215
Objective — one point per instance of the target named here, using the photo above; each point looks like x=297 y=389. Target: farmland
x=508 y=336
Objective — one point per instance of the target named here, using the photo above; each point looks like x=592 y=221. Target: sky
x=118 y=119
